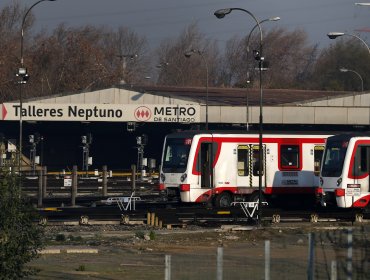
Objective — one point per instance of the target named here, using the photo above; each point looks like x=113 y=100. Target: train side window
x=361 y=161
x=289 y=156
x=318 y=152
x=243 y=162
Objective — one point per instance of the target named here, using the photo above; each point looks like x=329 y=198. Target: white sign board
x=67 y=182
x=353 y=192
x=101 y=112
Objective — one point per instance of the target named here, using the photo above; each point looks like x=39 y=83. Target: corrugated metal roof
x=238 y=96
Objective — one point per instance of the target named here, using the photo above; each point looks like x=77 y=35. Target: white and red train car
x=344 y=179
x=224 y=167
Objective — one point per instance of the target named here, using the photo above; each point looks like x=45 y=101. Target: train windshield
x=176 y=153
x=335 y=153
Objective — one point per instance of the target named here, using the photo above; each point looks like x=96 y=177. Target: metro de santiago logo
x=143 y=113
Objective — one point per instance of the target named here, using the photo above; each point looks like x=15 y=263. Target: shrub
x=20 y=237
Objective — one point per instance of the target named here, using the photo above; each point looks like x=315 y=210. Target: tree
x=20 y=238
x=288 y=54
x=177 y=70
x=67 y=59
x=350 y=54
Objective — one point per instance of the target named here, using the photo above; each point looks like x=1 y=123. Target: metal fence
x=341 y=254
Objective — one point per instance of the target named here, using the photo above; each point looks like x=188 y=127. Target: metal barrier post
x=349 y=254
x=311 y=254
x=333 y=274
x=74 y=186
x=39 y=195
x=105 y=180
x=267 y=259
x=133 y=178
x=220 y=256
x=167 y=269
x=44 y=180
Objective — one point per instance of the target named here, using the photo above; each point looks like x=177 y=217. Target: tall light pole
x=334 y=35
x=200 y=53
x=258 y=56
x=344 y=70
x=248 y=81
x=22 y=73
x=123 y=58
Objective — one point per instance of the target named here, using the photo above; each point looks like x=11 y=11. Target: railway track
x=151 y=209
x=167 y=214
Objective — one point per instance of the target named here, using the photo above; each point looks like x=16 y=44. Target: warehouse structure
x=111 y=120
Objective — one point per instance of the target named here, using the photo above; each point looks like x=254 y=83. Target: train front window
x=176 y=155
x=335 y=153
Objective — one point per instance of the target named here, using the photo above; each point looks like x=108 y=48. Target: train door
x=318 y=153
x=244 y=167
x=255 y=161
x=361 y=168
x=205 y=164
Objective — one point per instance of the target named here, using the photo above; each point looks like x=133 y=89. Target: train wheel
x=223 y=200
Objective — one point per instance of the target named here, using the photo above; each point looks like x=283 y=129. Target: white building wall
x=347 y=110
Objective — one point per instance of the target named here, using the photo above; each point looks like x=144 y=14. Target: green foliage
x=152 y=235
x=81 y=268
x=20 y=237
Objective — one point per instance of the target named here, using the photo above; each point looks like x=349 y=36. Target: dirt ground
x=139 y=252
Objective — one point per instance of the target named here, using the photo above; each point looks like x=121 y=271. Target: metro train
x=223 y=167
x=344 y=179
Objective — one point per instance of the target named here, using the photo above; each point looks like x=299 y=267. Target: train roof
x=348 y=135
x=191 y=133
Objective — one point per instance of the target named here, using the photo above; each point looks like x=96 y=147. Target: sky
x=158 y=20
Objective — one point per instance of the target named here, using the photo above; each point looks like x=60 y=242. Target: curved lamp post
x=258 y=56
x=22 y=73
x=200 y=53
x=248 y=40
x=345 y=70
x=334 y=35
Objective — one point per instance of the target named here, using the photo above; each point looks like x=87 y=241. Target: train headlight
x=183 y=177
x=163 y=178
x=339 y=181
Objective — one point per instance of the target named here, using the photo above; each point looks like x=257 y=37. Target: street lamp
x=123 y=58
x=344 y=70
x=248 y=40
x=200 y=53
x=258 y=56
x=334 y=35
x=22 y=73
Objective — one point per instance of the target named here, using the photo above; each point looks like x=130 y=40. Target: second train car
x=345 y=180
